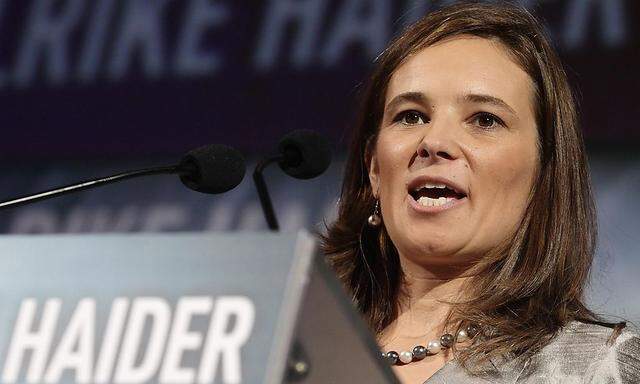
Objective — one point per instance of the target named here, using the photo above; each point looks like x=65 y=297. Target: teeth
x=429 y=202
x=440 y=186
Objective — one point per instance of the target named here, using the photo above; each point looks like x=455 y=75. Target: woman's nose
x=437 y=144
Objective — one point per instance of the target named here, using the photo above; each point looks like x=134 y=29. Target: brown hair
x=533 y=284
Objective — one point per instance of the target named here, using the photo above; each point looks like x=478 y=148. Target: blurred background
x=93 y=87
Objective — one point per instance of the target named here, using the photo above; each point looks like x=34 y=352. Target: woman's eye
x=486 y=120
x=411 y=118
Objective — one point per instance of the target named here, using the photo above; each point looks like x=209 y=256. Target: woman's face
x=456 y=155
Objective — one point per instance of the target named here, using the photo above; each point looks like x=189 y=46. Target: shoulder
x=594 y=352
x=579 y=353
x=626 y=353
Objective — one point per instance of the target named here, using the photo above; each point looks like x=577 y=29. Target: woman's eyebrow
x=421 y=98
x=416 y=97
x=488 y=99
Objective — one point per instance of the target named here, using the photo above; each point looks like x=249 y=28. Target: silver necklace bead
x=419 y=352
x=434 y=346
x=446 y=340
x=406 y=357
x=462 y=336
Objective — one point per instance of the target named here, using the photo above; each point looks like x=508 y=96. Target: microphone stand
x=174 y=169
x=263 y=192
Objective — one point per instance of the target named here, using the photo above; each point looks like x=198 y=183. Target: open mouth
x=435 y=195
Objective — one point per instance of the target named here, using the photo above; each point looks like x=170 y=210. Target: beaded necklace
x=433 y=347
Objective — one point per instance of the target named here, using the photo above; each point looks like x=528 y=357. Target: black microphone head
x=215 y=168
x=307 y=154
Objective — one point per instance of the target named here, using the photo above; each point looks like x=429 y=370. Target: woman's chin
x=444 y=263
x=437 y=248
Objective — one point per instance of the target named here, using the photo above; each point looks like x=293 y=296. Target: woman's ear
x=374 y=175
x=372 y=165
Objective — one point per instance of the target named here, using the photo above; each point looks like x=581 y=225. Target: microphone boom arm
x=263 y=192
x=174 y=169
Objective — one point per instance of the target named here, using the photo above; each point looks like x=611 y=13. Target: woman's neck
x=424 y=305
x=433 y=284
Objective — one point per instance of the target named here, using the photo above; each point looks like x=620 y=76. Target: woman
x=466 y=225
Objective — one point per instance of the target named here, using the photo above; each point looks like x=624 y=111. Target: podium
x=178 y=308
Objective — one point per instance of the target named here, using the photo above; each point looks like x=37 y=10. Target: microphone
x=212 y=169
x=305 y=154
x=209 y=169
x=302 y=154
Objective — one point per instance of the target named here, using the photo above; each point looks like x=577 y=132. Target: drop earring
x=375 y=220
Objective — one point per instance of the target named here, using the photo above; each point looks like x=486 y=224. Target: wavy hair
x=524 y=291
